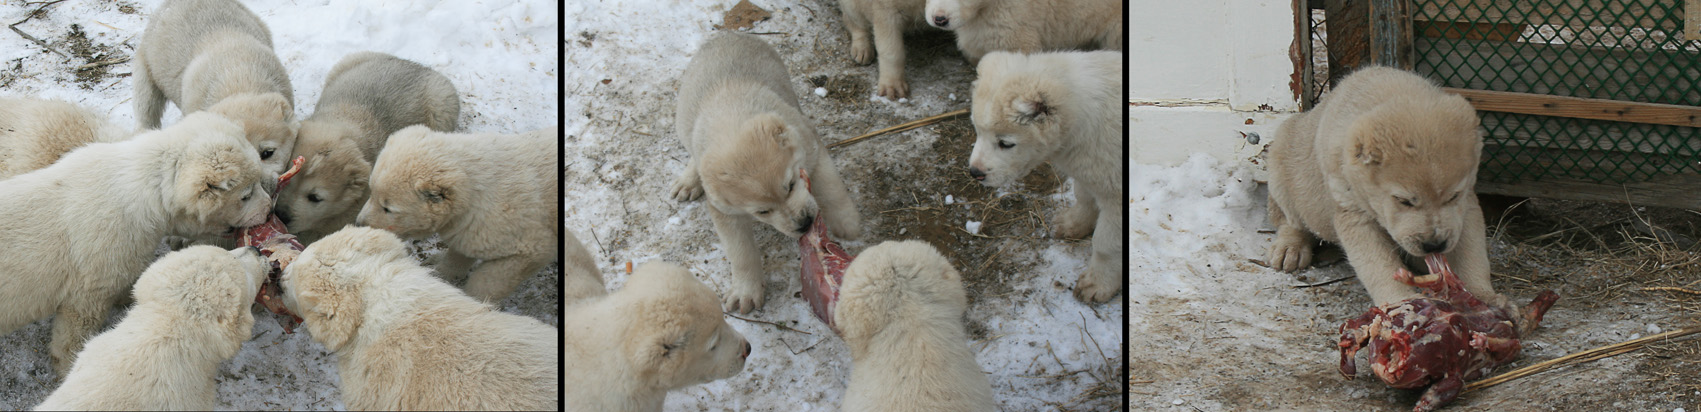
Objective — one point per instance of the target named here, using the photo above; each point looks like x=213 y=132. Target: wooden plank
x=1692 y=19
x=1348 y=29
x=1668 y=191
x=1391 y=33
x=1472 y=31
x=1647 y=14
x=1598 y=109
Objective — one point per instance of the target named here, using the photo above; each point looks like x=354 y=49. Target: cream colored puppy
x=368 y=96
x=192 y=312
x=216 y=55
x=405 y=340
x=79 y=232
x=1384 y=166
x=662 y=331
x=35 y=133
x=489 y=197
x=580 y=278
x=1028 y=26
x=1063 y=108
x=889 y=19
x=900 y=311
x=739 y=118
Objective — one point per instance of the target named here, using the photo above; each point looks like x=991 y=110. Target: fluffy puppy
x=216 y=55
x=889 y=19
x=900 y=311
x=1063 y=108
x=662 y=331
x=489 y=197
x=368 y=96
x=1028 y=26
x=80 y=231
x=405 y=340
x=739 y=119
x=35 y=133
x=192 y=312
x=1385 y=166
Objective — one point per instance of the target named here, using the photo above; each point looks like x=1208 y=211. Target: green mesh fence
x=1628 y=50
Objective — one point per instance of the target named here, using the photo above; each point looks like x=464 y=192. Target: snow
x=501 y=55
x=972 y=227
x=821 y=91
x=623 y=59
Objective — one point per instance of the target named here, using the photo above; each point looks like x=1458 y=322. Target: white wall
x=1200 y=71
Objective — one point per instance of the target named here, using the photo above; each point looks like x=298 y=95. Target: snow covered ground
x=1042 y=349
x=500 y=55
x=1217 y=332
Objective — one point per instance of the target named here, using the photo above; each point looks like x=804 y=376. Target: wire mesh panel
x=1623 y=50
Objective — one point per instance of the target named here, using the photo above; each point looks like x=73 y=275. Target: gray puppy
x=368 y=96
x=216 y=55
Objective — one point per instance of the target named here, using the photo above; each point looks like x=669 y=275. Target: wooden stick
x=1579 y=357
x=782 y=327
x=899 y=128
x=1577 y=107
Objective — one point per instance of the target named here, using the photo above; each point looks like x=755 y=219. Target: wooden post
x=1391 y=33
x=1349 y=37
x=1302 y=59
x=1692 y=19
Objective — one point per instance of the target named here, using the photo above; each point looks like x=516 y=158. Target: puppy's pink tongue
x=823 y=266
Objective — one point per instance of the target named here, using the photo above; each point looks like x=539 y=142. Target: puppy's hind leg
x=454 y=266
x=1078 y=221
x=1292 y=248
x=688 y=186
x=495 y=279
x=148 y=100
x=843 y=219
x=1104 y=273
x=73 y=324
x=739 y=243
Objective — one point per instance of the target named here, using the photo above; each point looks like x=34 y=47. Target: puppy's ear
x=770 y=126
x=273 y=106
x=662 y=349
x=331 y=310
x=1032 y=107
x=441 y=186
x=358 y=171
x=205 y=174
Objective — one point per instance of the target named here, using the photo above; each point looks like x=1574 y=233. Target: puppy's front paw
x=1097 y=285
x=745 y=297
x=687 y=187
x=1290 y=251
x=892 y=86
x=861 y=52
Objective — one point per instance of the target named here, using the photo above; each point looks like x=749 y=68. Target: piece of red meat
x=823 y=265
x=279 y=247
x=1440 y=340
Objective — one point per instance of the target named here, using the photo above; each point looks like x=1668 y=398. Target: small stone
x=1176 y=402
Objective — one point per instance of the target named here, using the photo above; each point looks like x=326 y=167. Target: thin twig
x=1579 y=357
x=27 y=36
x=899 y=128
x=1323 y=283
x=101 y=63
x=1671 y=289
x=782 y=327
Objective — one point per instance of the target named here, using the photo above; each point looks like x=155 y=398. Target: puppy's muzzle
x=1434 y=246
x=283 y=215
x=804 y=226
x=941 y=21
x=976 y=173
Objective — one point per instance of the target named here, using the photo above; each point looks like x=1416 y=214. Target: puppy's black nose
x=1434 y=246
x=941 y=21
x=283 y=216
x=746 y=354
x=807 y=220
x=977 y=174
x=255 y=249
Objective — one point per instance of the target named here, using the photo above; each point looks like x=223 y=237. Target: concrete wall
x=1205 y=74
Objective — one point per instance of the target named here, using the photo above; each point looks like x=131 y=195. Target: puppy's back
x=394 y=92
x=729 y=59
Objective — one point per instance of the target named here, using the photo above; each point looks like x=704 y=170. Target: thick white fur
x=192 y=312
x=581 y=280
x=216 y=55
x=889 y=19
x=739 y=118
x=79 y=232
x=1028 y=26
x=368 y=96
x=491 y=198
x=405 y=340
x=900 y=311
x=1064 y=108
x=35 y=133
x=662 y=331
x=1338 y=173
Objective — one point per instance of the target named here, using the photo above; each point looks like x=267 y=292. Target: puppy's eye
x=1403 y=201
x=265 y=154
x=386 y=209
x=250 y=194
x=764 y=212
x=1005 y=145
x=791 y=185
x=314 y=197
x=1451 y=199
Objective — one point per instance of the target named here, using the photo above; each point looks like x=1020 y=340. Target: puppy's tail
x=149 y=101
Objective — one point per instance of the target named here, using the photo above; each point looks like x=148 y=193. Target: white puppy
x=900 y=311
x=739 y=118
x=192 y=312
x=660 y=332
x=216 y=55
x=405 y=340
x=79 y=232
x=1028 y=26
x=35 y=133
x=1064 y=108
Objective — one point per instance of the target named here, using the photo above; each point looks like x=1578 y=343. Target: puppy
x=890 y=19
x=85 y=227
x=192 y=312
x=580 y=278
x=405 y=340
x=216 y=55
x=489 y=197
x=660 y=332
x=900 y=311
x=35 y=133
x=1384 y=166
x=368 y=96
x=739 y=119
x=1028 y=26
x=1063 y=108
